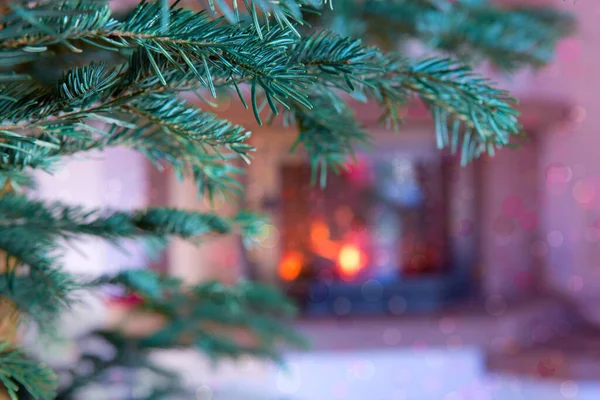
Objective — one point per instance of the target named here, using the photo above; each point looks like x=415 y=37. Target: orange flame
x=321 y=243
x=291 y=265
x=319 y=231
x=351 y=260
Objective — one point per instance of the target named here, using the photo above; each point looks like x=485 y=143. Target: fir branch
x=195 y=34
x=42 y=294
x=18 y=154
x=146 y=74
x=20 y=101
x=175 y=117
x=329 y=56
x=329 y=59
x=197 y=314
x=33 y=278
x=87 y=83
x=81 y=91
x=33 y=27
x=448 y=85
x=329 y=134
x=212 y=169
x=512 y=37
x=193 y=42
x=470 y=114
x=16 y=368
x=482 y=116
x=286 y=13
x=29 y=230
x=21 y=217
x=213 y=172
x=17 y=179
x=197 y=137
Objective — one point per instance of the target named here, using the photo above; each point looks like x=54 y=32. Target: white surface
x=398 y=374
x=115 y=179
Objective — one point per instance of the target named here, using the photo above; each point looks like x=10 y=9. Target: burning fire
x=351 y=260
x=321 y=243
x=291 y=265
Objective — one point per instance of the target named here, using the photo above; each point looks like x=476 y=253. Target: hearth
x=388 y=235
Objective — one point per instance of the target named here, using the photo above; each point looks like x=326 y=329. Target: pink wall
x=570 y=162
x=567 y=247
x=509 y=222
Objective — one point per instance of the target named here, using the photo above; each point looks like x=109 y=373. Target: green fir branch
x=33 y=278
x=17 y=369
x=43 y=293
x=21 y=217
x=195 y=34
x=470 y=114
x=511 y=37
x=468 y=111
x=330 y=134
x=175 y=117
x=195 y=312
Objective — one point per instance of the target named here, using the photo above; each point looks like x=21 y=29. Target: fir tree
x=130 y=96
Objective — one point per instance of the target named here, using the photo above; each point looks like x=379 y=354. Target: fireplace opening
x=395 y=232
x=375 y=240
x=380 y=219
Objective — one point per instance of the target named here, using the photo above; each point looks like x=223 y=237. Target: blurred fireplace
x=393 y=233
x=383 y=218
x=486 y=252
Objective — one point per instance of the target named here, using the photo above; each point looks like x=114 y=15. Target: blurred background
x=416 y=278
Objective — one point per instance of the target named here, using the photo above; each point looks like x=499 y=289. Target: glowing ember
x=351 y=260
x=319 y=231
x=291 y=266
x=321 y=244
